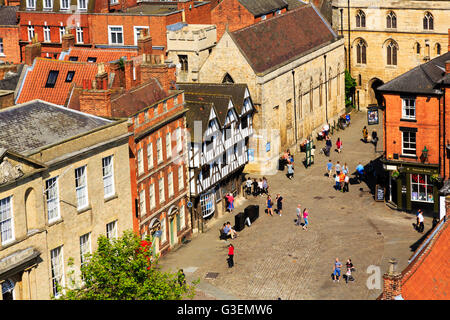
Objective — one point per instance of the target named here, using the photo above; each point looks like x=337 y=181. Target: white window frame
x=179 y=139
x=57 y=269
x=85 y=247
x=62 y=31
x=30 y=31
x=170 y=184
x=168 y=145
x=407 y=107
x=163 y=230
x=47 y=37
x=140 y=161
x=151 y=194
x=159 y=152
x=45 y=3
x=52 y=194
x=81 y=188
x=136 y=32
x=142 y=204
x=108 y=176
x=80 y=35
x=62 y=2
x=31 y=4
x=408 y=149
x=150 y=155
x=162 y=194
x=182 y=217
x=84 y=2
x=111 y=230
x=6 y=220
x=180 y=178
x=207 y=204
x=110 y=33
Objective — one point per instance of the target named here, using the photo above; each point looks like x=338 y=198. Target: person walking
x=305 y=219
x=365 y=133
x=269 y=205
x=290 y=171
x=230 y=256
x=330 y=168
x=337 y=182
x=346 y=182
x=360 y=171
x=248 y=186
x=279 y=200
x=299 y=215
x=374 y=139
x=341 y=181
x=328 y=145
x=339 y=145
x=230 y=200
x=260 y=187
x=345 y=168
x=337 y=168
x=337 y=270
x=350 y=268
x=420 y=219
x=265 y=185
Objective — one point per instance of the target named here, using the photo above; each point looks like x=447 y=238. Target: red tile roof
x=102 y=55
x=33 y=85
x=278 y=40
x=427 y=277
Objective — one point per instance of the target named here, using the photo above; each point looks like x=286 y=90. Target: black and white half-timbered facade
x=219 y=122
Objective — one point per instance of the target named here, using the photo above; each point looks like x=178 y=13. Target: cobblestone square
x=274 y=258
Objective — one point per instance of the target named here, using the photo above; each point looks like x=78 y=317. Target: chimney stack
x=447 y=67
x=101 y=78
x=68 y=40
x=392 y=282
x=144 y=43
x=32 y=50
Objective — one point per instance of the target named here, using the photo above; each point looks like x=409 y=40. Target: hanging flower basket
x=436 y=178
x=395 y=174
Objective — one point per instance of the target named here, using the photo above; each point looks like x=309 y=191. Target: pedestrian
x=260 y=187
x=337 y=185
x=359 y=171
x=330 y=168
x=374 y=139
x=337 y=168
x=420 y=220
x=230 y=200
x=365 y=134
x=290 y=170
x=350 y=268
x=305 y=219
x=341 y=181
x=279 y=200
x=230 y=256
x=248 y=186
x=339 y=145
x=299 y=215
x=265 y=186
x=337 y=270
x=345 y=169
x=346 y=182
x=328 y=145
x=255 y=187
x=269 y=205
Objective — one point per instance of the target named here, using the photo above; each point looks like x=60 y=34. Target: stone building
x=293 y=65
x=386 y=39
x=219 y=122
x=188 y=46
x=64 y=181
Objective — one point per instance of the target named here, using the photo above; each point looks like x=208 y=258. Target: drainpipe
x=445 y=147
x=342 y=21
x=295 y=107
x=326 y=88
x=349 y=54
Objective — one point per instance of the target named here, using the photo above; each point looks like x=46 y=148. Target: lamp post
x=425 y=154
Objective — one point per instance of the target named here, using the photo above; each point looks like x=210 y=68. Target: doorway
x=375 y=97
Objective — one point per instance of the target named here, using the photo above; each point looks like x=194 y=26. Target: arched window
x=227 y=79
x=361 y=52
x=360 y=19
x=391 y=20
x=428 y=23
x=417 y=48
x=438 y=49
x=391 y=51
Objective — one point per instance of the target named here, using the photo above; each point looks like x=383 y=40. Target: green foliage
x=123 y=269
x=350 y=85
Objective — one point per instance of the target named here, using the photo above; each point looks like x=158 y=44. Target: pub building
x=417 y=135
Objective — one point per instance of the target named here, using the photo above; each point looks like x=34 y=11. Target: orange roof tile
x=33 y=85
x=428 y=277
x=102 y=55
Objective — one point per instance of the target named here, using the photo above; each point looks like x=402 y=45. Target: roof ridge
x=67 y=61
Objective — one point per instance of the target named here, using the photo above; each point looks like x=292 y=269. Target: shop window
x=207 y=204
x=421 y=188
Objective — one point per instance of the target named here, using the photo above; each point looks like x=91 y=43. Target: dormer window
x=92 y=59
x=51 y=79
x=69 y=76
x=72 y=58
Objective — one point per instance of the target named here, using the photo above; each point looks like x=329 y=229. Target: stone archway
x=375 y=97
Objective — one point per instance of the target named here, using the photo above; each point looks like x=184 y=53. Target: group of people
x=374 y=138
x=256 y=187
x=279 y=209
x=228 y=230
x=337 y=270
x=287 y=159
x=341 y=175
x=301 y=215
x=329 y=144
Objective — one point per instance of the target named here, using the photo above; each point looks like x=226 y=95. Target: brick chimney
x=144 y=43
x=95 y=97
x=447 y=67
x=101 y=78
x=68 y=40
x=392 y=282
x=153 y=66
x=32 y=51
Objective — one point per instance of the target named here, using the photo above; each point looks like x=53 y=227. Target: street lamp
x=424 y=154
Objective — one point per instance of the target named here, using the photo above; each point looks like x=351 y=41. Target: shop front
x=413 y=186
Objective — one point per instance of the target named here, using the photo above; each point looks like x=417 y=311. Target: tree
x=350 y=85
x=124 y=269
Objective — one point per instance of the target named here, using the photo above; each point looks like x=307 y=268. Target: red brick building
x=237 y=14
x=417 y=135
x=96 y=23
x=9 y=35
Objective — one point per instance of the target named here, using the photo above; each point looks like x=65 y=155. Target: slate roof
x=33 y=84
x=102 y=55
x=235 y=90
x=260 y=7
x=30 y=126
x=197 y=111
x=426 y=278
x=426 y=78
x=220 y=103
x=8 y=15
x=283 y=38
